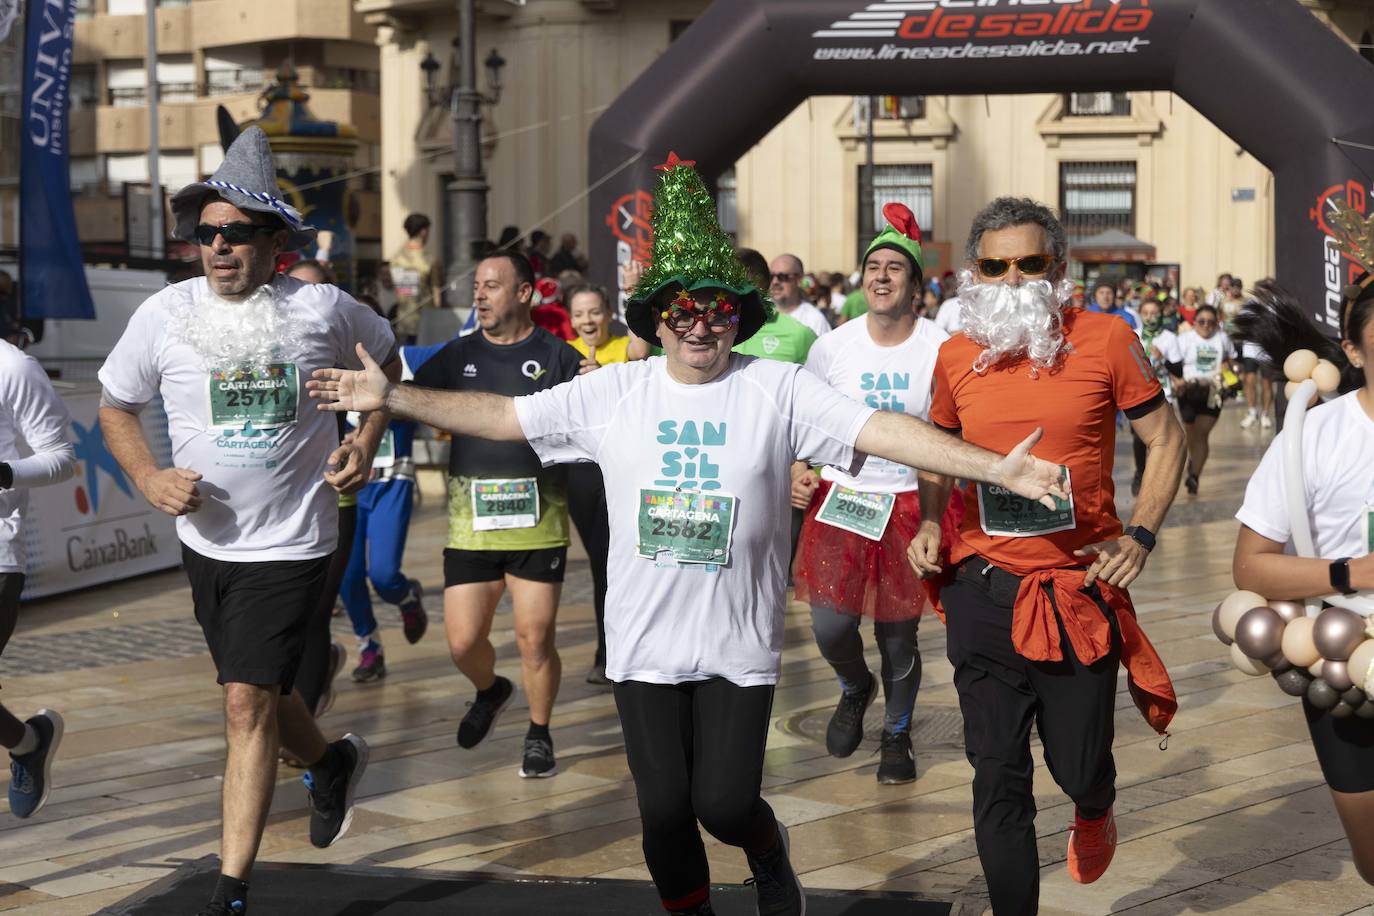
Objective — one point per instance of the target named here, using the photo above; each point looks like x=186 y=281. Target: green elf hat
x=691 y=252
x=903 y=234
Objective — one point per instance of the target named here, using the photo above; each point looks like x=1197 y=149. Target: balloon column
x=1328 y=658
x=1325 y=654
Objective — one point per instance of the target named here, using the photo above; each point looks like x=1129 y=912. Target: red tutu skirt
x=838 y=569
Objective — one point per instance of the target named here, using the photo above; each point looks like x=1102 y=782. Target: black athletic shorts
x=1192 y=403
x=1345 y=749
x=1249 y=364
x=254 y=615
x=463 y=567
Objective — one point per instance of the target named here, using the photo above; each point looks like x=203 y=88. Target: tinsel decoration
x=690 y=248
x=1354 y=235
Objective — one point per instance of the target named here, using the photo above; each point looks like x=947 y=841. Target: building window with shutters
x=1098 y=105
x=1097 y=196
x=913 y=185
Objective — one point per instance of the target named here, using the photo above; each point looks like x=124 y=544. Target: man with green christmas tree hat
x=851 y=561
x=695 y=447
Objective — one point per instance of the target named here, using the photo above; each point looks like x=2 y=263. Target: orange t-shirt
x=1075 y=404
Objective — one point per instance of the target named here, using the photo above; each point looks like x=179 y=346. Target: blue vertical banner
x=52 y=278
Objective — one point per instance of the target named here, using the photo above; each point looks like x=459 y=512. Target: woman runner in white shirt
x=1205 y=350
x=1338 y=439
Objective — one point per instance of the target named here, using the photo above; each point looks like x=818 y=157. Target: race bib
x=498 y=505
x=694 y=527
x=1004 y=514
x=864 y=514
x=1207 y=359
x=406 y=282
x=1369 y=529
x=386 y=451
x=266 y=398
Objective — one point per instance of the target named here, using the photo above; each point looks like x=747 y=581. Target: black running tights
x=696 y=755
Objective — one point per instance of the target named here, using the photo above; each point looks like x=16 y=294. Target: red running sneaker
x=1092 y=843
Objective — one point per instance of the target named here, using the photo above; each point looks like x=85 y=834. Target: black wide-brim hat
x=247 y=178
x=642 y=311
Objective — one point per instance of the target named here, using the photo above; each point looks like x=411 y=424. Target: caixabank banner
x=97 y=527
x=1266 y=72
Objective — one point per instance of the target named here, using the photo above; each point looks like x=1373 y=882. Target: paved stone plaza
x=1232 y=818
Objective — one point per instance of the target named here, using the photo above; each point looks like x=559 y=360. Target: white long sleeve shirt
x=34 y=441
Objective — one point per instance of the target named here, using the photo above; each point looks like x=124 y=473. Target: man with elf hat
x=851 y=562
x=695 y=446
x=1034 y=598
x=256 y=480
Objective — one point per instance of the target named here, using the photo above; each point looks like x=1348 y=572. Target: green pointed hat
x=691 y=252
x=902 y=234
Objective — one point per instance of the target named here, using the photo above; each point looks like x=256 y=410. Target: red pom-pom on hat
x=903 y=220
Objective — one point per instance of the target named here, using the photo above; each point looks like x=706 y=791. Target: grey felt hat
x=247 y=178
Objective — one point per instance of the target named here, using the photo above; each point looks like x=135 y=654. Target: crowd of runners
x=721 y=445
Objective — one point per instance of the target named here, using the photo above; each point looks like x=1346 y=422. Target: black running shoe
x=220 y=908
x=1190 y=482
x=371 y=665
x=538 y=762
x=414 y=620
x=897 y=764
x=780 y=892
x=597 y=675
x=846 y=729
x=331 y=802
x=482 y=714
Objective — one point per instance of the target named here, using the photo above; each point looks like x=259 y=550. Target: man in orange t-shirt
x=1035 y=637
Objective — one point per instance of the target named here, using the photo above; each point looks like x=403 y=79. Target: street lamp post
x=468 y=190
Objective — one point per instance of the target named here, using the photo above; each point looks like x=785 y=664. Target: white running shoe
x=1250 y=420
x=1266 y=422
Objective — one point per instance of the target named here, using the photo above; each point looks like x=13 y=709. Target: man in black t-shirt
x=508 y=515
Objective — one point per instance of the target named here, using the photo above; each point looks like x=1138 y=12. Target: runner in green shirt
x=854 y=305
x=782 y=337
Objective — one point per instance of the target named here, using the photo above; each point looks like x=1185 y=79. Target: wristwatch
x=1340 y=576
x=1142 y=536
x=6 y=476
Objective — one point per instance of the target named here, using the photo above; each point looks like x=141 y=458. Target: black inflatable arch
x=1266 y=72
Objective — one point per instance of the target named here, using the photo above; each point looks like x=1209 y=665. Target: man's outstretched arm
x=465 y=413
x=915 y=443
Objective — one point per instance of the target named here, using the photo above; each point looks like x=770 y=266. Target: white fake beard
x=249 y=334
x=1011 y=322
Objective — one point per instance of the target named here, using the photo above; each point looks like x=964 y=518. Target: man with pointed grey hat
x=255 y=477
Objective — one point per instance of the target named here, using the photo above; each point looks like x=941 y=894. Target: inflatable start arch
x=1266 y=72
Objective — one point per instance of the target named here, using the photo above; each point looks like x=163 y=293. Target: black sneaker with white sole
x=331 y=792
x=897 y=765
x=484 y=712
x=538 y=761
x=780 y=892
x=845 y=732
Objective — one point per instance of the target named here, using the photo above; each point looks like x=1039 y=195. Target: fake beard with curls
x=249 y=334
x=1011 y=322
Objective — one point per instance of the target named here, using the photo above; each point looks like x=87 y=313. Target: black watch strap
x=1340 y=576
x=6 y=476
x=1142 y=536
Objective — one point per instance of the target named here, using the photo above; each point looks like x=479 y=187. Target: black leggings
x=841 y=644
x=696 y=754
x=587 y=507
x=312 y=677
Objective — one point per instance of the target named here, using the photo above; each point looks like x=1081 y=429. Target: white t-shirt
x=263 y=487
x=1203 y=358
x=1338 y=438
x=885 y=378
x=837 y=298
x=810 y=316
x=1165 y=344
x=738 y=436
x=950 y=316
x=33 y=440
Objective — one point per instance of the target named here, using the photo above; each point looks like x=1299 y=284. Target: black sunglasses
x=234 y=233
